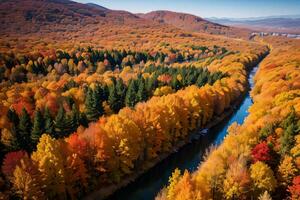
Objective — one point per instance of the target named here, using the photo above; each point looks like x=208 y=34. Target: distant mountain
x=272 y=23
x=252 y=18
x=193 y=23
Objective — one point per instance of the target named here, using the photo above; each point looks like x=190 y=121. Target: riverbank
x=195 y=135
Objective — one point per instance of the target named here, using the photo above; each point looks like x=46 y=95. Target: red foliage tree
x=23 y=103
x=165 y=78
x=11 y=160
x=77 y=145
x=261 y=152
x=295 y=188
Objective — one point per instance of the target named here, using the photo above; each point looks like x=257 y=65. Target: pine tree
x=113 y=99
x=13 y=116
x=98 y=99
x=48 y=123
x=290 y=119
x=290 y=129
x=131 y=99
x=83 y=120
x=202 y=79
x=141 y=93
x=91 y=111
x=38 y=128
x=74 y=119
x=24 y=130
x=175 y=83
x=16 y=139
x=121 y=92
x=100 y=93
x=60 y=123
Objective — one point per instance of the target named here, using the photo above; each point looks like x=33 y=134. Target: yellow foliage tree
x=127 y=140
x=286 y=170
x=237 y=181
x=262 y=177
x=27 y=182
x=51 y=164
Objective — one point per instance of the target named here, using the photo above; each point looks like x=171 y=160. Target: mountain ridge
x=193 y=23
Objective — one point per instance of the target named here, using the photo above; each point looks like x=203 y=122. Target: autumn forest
x=91 y=99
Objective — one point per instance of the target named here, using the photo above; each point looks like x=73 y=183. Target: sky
x=207 y=8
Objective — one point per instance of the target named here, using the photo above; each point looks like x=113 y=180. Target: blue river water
x=148 y=185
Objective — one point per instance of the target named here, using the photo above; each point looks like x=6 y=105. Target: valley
x=98 y=103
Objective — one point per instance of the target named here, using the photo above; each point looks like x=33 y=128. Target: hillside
x=97 y=6
x=27 y=24
x=43 y=16
x=39 y=25
x=194 y=23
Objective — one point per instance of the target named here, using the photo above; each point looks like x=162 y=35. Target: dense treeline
x=260 y=158
x=20 y=68
x=114 y=146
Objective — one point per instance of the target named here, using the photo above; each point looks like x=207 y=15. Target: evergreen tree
x=113 y=99
x=99 y=97
x=48 y=123
x=202 y=79
x=24 y=130
x=83 y=120
x=131 y=99
x=16 y=139
x=289 y=124
x=121 y=92
x=91 y=110
x=290 y=119
x=60 y=123
x=141 y=93
x=74 y=118
x=13 y=116
x=287 y=139
x=100 y=93
x=175 y=83
x=38 y=128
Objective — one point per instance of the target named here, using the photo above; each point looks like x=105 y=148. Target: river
x=188 y=157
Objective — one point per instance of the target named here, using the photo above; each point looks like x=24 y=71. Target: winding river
x=188 y=157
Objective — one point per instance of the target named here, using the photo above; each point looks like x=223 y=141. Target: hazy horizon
x=207 y=9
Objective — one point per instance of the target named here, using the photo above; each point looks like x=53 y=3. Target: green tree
x=141 y=93
x=175 y=83
x=290 y=129
x=201 y=80
x=91 y=109
x=121 y=92
x=13 y=116
x=24 y=130
x=74 y=118
x=290 y=119
x=287 y=139
x=130 y=99
x=16 y=139
x=38 y=128
x=48 y=122
x=60 y=123
x=113 y=100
